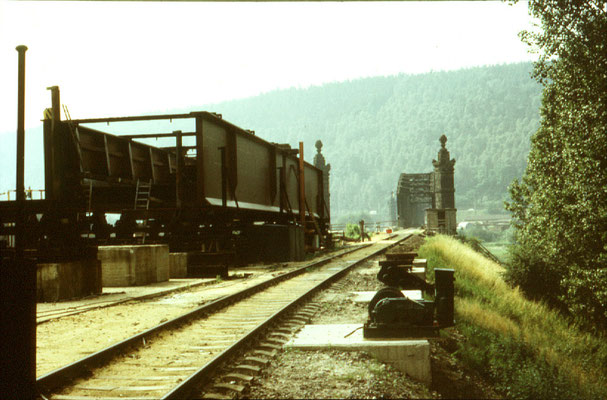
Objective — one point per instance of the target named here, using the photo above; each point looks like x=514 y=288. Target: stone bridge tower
x=442 y=216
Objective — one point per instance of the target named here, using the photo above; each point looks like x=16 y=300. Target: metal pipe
x=20 y=186
x=56 y=102
x=21 y=124
x=18 y=284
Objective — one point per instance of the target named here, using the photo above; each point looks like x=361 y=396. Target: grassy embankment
x=523 y=347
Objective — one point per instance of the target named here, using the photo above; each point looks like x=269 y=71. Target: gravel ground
x=335 y=374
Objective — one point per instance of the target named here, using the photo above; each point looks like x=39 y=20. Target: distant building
x=429 y=198
x=413 y=196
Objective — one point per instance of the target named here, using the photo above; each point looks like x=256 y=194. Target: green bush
x=525 y=348
x=353 y=231
x=586 y=296
x=481 y=232
x=513 y=366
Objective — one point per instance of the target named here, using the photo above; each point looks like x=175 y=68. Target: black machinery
x=392 y=315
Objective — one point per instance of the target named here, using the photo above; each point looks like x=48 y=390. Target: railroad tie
x=269 y=346
x=305 y=314
x=312 y=307
x=270 y=354
x=257 y=360
x=301 y=319
x=218 y=396
x=277 y=341
x=291 y=327
x=286 y=330
x=234 y=376
x=246 y=368
x=229 y=387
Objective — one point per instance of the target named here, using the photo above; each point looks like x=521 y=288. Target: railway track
x=66 y=340
x=176 y=357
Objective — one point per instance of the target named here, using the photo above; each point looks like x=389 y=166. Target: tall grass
x=527 y=349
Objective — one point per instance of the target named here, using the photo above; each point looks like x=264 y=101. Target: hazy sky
x=119 y=58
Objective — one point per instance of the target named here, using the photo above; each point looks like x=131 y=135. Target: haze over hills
x=373 y=129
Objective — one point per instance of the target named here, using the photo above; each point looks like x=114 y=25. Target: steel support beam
x=200 y=193
x=302 y=187
x=179 y=168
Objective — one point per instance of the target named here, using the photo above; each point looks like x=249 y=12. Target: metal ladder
x=142 y=202
x=142 y=195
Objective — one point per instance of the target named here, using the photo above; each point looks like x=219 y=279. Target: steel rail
x=64 y=375
x=203 y=375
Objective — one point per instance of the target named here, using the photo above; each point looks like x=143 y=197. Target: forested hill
x=373 y=129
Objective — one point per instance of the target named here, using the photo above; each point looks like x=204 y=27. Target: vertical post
x=20 y=186
x=179 y=171
x=200 y=194
x=302 y=187
x=280 y=189
x=51 y=123
x=18 y=286
x=224 y=177
x=55 y=103
x=361 y=224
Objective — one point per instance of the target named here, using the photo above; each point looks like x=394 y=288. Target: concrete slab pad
x=365 y=297
x=409 y=356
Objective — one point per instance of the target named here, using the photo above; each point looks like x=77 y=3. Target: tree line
x=374 y=129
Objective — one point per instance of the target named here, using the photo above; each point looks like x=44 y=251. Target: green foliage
x=481 y=232
x=373 y=129
x=560 y=205
x=526 y=349
x=537 y=278
x=513 y=366
x=352 y=231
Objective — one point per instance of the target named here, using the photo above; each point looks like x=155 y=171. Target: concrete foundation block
x=419 y=272
x=365 y=297
x=178 y=265
x=409 y=356
x=420 y=266
x=161 y=259
x=133 y=265
x=68 y=280
x=276 y=243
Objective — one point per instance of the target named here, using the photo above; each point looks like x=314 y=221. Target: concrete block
x=275 y=243
x=68 y=280
x=420 y=266
x=409 y=356
x=419 y=272
x=365 y=297
x=133 y=265
x=161 y=259
x=178 y=265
